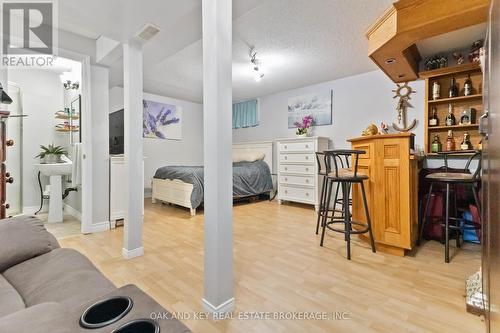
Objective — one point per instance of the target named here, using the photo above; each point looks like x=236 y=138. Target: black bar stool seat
x=450 y=177
x=347 y=175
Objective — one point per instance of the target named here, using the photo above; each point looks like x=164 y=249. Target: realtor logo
x=29 y=31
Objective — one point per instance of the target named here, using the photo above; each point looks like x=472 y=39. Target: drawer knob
x=9 y=143
x=9 y=180
x=286 y=157
x=286 y=179
x=307 y=194
x=7 y=206
x=307 y=157
x=286 y=191
x=286 y=168
x=307 y=181
x=286 y=146
x=307 y=146
x=307 y=169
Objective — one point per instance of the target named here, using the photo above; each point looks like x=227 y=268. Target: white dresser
x=298 y=179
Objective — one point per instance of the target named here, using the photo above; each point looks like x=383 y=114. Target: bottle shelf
x=459 y=153
x=439 y=128
x=451 y=70
x=455 y=99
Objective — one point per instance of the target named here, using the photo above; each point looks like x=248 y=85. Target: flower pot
x=52 y=158
x=304 y=135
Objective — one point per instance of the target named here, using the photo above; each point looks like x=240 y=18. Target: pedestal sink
x=55 y=171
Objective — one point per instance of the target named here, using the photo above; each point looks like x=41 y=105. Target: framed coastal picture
x=319 y=106
x=161 y=121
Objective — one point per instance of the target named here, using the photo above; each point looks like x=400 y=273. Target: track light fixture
x=256 y=65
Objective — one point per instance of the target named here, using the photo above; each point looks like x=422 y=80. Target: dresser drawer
x=297 y=168
x=297 y=158
x=302 y=194
x=296 y=146
x=297 y=180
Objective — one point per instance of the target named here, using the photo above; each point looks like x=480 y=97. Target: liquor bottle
x=436 y=90
x=450 y=141
x=466 y=144
x=453 y=92
x=468 y=86
x=450 y=118
x=436 y=145
x=433 y=120
x=465 y=119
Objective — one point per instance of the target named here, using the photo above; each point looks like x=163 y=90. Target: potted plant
x=303 y=127
x=51 y=153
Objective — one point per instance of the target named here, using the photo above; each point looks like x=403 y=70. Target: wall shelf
x=454 y=127
x=456 y=99
x=450 y=70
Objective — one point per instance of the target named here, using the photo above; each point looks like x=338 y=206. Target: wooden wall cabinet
x=392 y=190
x=443 y=76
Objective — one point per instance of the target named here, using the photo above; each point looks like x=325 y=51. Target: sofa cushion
x=22 y=238
x=62 y=275
x=46 y=317
x=10 y=300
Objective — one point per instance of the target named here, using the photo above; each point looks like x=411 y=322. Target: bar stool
x=449 y=179
x=345 y=176
x=324 y=209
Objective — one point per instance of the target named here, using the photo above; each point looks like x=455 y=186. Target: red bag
x=433 y=228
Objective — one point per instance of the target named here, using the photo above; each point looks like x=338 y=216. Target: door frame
x=86 y=128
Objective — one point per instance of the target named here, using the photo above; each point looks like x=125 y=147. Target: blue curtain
x=245 y=114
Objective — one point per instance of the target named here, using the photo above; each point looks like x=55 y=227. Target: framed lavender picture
x=161 y=121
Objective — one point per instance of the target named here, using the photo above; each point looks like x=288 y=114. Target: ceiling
x=300 y=42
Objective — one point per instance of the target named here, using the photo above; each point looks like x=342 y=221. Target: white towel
x=76 y=174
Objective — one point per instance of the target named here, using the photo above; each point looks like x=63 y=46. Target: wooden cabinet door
x=392 y=195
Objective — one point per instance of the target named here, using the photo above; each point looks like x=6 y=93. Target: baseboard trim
x=98 y=227
x=226 y=307
x=129 y=254
x=72 y=211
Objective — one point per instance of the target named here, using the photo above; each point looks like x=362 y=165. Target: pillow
x=247 y=155
x=22 y=238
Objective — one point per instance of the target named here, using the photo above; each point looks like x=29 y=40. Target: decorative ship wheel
x=403 y=91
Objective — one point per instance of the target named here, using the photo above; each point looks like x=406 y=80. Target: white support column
x=133 y=82
x=217 y=114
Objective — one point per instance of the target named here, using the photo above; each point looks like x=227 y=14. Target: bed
x=183 y=185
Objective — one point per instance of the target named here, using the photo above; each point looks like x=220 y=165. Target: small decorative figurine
x=459 y=58
x=384 y=128
x=403 y=92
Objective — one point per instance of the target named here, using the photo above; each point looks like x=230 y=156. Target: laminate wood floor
x=280 y=267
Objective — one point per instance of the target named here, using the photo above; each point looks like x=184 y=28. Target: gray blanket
x=249 y=178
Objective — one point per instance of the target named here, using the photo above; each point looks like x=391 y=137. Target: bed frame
x=178 y=192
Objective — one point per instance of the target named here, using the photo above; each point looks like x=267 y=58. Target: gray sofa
x=45 y=288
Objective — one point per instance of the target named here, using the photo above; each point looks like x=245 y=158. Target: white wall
x=41 y=96
x=158 y=152
x=357 y=101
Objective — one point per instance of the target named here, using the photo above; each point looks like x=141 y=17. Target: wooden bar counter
x=392 y=190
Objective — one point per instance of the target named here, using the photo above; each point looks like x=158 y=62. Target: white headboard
x=265 y=147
